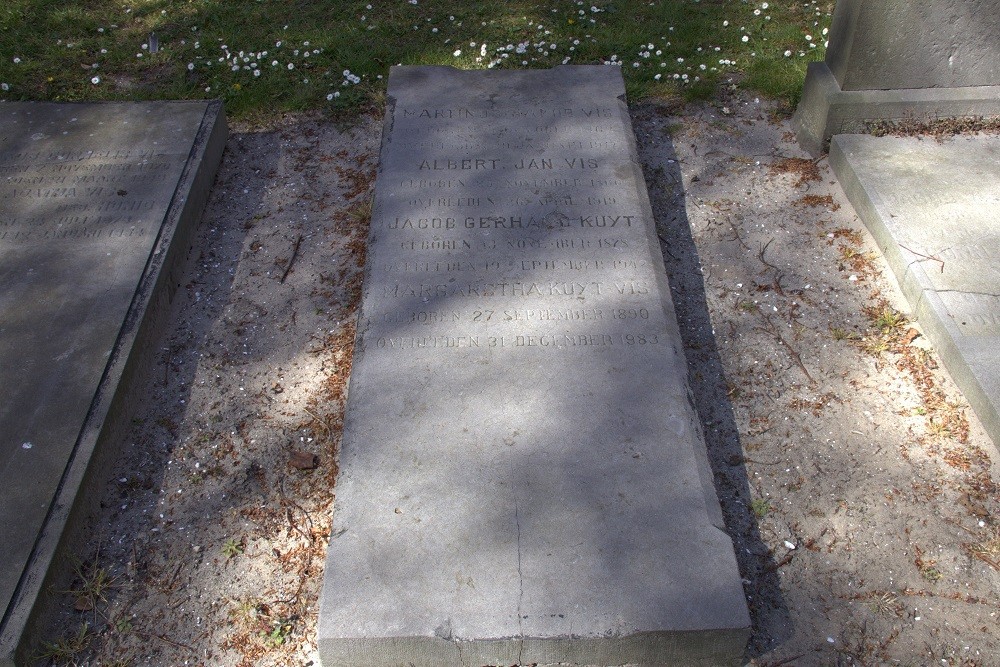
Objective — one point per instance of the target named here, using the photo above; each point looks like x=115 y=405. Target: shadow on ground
x=769 y=614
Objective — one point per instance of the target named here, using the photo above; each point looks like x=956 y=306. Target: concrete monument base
x=826 y=109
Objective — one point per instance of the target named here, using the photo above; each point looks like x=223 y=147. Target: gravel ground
x=858 y=487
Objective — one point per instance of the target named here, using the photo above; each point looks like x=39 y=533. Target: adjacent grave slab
x=901 y=59
x=932 y=208
x=523 y=477
x=96 y=203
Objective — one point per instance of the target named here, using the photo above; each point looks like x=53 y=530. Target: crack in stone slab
x=962 y=291
x=520 y=575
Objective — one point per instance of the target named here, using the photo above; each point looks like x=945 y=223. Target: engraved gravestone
x=523 y=478
x=94 y=200
x=932 y=209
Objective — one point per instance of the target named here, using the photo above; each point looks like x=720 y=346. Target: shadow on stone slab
x=523 y=477
x=99 y=209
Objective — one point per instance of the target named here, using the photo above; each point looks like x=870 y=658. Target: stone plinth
x=897 y=59
x=523 y=478
x=96 y=204
x=932 y=209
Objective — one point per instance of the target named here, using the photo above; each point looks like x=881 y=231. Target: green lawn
x=266 y=56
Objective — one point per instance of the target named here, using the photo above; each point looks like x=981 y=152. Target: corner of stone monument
x=810 y=120
x=872 y=75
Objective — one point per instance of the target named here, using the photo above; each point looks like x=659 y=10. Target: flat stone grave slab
x=523 y=477
x=932 y=208
x=94 y=199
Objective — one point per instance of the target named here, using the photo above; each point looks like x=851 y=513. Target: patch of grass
x=232 y=547
x=889 y=320
x=93 y=583
x=886 y=604
x=838 y=333
x=875 y=345
x=262 y=59
x=760 y=507
x=778 y=76
x=886 y=323
x=65 y=649
x=246 y=610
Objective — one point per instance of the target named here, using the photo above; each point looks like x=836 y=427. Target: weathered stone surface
x=901 y=59
x=932 y=209
x=523 y=478
x=94 y=201
x=898 y=44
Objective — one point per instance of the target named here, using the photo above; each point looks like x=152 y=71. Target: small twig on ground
x=170 y=582
x=762 y=463
x=165 y=640
x=920 y=254
x=781 y=563
x=295 y=253
x=288 y=512
x=736 y=234
x=778 y=273
x=769 y=328
x=761 y=249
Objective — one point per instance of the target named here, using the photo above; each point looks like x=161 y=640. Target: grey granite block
x=96 y=205
x=523 y=478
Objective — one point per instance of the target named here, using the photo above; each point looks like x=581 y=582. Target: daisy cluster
x=541 y=43
x=246 y=65
x=697 y=43
x=680 y=69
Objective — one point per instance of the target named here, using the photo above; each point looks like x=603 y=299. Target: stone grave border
x=129 y=366
x=917 y=287
x=411 y=639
